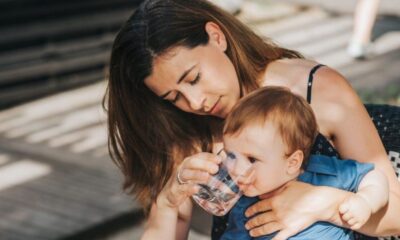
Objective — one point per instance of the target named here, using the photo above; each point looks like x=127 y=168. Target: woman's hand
x=293 y=208
x=193 y=170
x=170 y=216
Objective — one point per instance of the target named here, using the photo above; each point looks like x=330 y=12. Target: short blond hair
x=290 y=113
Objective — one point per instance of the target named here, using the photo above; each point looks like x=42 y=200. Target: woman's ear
x=216 y=36
x=294 y=162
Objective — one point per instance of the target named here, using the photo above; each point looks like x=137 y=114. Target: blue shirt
x=320 y=171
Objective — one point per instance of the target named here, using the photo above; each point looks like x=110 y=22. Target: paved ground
x=57 y=146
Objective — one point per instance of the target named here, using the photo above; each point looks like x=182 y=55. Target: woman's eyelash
x=195 y=80
x=176 y=98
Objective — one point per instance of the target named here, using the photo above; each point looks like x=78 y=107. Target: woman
x=177 y=68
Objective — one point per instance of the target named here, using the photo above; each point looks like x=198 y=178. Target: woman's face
x=201 y=80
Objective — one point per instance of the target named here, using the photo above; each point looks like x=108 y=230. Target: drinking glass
x=221 y=192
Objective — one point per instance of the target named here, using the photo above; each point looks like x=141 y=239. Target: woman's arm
x=171 y=213
x=354 y=135
x=161 y=224
x=295 y=207
x=342 y=117
x=167 y=222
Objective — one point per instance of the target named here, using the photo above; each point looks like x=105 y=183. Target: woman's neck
x=275 y=74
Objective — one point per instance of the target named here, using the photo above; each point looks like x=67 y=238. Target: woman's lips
x=216 y=108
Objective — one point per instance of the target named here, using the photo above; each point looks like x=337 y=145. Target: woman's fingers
x=197 y=168
x=192 y=171
x=194 y=176
x=175 y=195
x=182 y=190
x=260 y=219
x=260 y=206
x=202 y=161
x=266 y=229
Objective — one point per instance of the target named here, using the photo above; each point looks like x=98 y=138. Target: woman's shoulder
x=295 y=73
x=333 y=98
x=327 y=85
x=331 y=94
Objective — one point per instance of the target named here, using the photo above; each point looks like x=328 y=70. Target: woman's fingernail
x=251 y=233
x=246 y=226
x=215 y=169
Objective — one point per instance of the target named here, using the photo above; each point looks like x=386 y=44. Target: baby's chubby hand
x=355 y=211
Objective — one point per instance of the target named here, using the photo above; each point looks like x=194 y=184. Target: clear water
x=219 y=195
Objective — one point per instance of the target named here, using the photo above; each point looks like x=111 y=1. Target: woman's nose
x=196 y=101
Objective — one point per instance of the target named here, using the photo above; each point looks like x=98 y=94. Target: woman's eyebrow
x=185 y=73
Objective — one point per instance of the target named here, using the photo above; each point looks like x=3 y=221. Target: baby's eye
x=195 y=80
x=231 y=155
x=252 y=160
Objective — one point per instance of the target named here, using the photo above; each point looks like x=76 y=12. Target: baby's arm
x=372 y=195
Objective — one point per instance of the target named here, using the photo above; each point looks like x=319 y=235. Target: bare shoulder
x=290 y=73
x=329 y=86
x=333 y=98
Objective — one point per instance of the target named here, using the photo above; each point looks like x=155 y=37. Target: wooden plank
x=30 y=90
x=69 y=200
x=95 y=169
x=63 y=200
x=22 y=220
x=15 y=95
x=65 y=28
x=10 y=234
x=47 y=211
x=22 y=11
x=83 y=211
x=55 y=67
x=53 y=106
x=14 y=59
x=79 y=184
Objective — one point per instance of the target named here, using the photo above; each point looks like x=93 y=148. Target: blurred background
x=56 y=178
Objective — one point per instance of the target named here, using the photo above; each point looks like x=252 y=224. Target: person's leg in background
x=364 y=20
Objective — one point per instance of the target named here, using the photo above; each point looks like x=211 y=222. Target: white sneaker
x=358 y=50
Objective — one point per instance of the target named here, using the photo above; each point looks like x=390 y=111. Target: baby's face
x=262 y=147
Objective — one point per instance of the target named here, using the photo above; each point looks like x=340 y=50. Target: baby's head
x=274 y=130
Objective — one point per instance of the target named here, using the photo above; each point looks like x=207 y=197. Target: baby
x=274 y=130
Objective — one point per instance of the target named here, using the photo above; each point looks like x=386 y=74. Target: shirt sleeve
x=351 y=173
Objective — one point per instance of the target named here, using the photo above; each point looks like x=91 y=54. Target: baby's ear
x=294 y=162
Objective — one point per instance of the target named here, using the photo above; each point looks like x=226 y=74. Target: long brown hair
x=145 y=132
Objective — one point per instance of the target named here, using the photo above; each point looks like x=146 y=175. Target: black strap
x=310 y=81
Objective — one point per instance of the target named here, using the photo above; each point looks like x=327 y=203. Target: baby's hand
x=355 y=211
